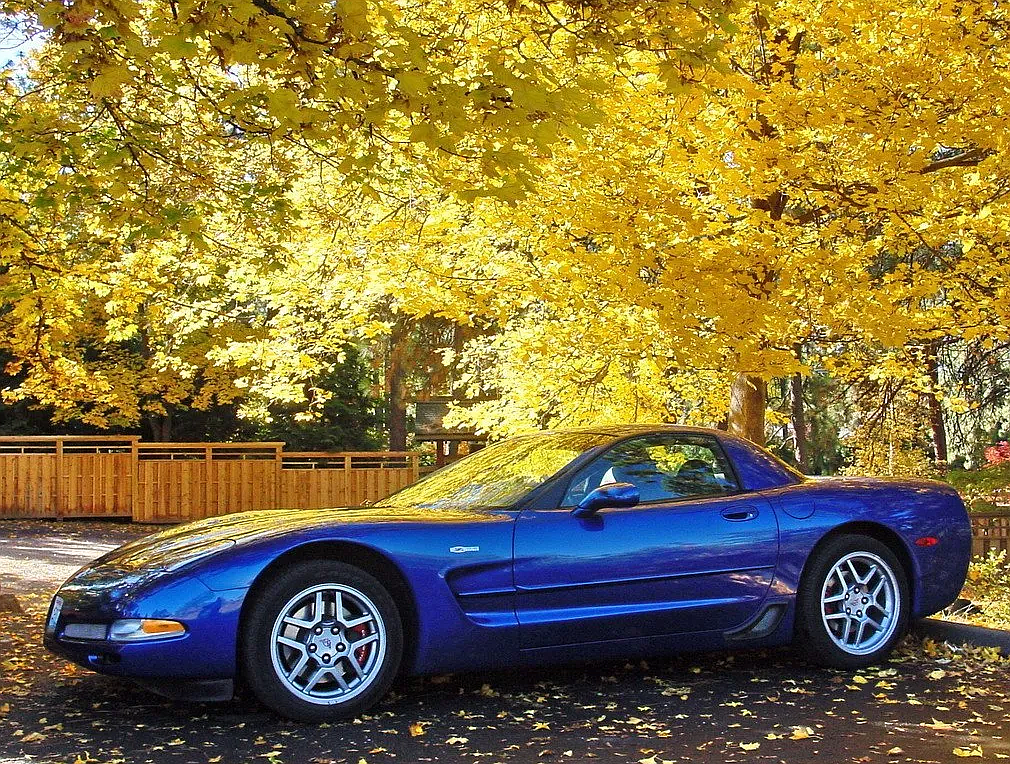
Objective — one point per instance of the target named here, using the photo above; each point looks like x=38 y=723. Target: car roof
x=621 y=430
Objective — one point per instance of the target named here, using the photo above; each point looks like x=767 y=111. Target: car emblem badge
x=463 y=549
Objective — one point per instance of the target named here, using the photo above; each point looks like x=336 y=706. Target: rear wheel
x=852 y=606
x=323 y=640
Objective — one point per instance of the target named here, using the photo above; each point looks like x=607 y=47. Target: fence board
x=96 y=485
x=65 y=476
x=27 y=485
x=990 y=532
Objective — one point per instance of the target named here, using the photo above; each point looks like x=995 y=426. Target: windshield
x=499 y=475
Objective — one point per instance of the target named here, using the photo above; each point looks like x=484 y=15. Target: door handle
x=739 y=515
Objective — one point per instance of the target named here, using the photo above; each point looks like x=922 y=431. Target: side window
x=661 y=467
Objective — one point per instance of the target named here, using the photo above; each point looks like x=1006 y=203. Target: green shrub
x=984 y=490
x=988 y=587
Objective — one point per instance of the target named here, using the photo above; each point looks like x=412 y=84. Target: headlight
x=136 y=629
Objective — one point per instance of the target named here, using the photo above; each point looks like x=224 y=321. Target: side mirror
x=612 y=495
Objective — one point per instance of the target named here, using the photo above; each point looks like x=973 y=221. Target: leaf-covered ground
x=928 y=704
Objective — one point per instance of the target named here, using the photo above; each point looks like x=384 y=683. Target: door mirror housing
x=612 y=495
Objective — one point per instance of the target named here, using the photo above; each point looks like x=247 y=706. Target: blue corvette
x=609 y=541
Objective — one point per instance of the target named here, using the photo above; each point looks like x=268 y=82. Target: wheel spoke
x=879 y=588
x=859 y=633
x=852 y=569
x=299 y=622
x=297 y=668
x=355 y=622
x=366 y=640
x=292 y=643
x=319 y=613
x=833 y=598
x=339 y=676
x=835 y=616
x=356 y=668
x=873 y=571
x=317 y=675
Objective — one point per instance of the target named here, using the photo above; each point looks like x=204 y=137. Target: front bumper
x=207 y=651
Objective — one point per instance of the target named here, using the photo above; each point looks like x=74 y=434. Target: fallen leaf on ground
x=965 y=752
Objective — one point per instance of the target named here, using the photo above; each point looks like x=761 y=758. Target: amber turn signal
x=927 y=541
x=130 y=629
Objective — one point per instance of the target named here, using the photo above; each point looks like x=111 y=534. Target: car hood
x=171 y=549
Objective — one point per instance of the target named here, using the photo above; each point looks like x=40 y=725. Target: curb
x=963 y=633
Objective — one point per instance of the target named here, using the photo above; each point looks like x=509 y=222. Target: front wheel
x=853 y=603
x=323 y=641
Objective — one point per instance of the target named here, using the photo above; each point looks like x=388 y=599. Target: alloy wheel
x=328 y=643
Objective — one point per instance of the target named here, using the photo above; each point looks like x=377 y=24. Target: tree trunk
x=747 y=408
x=396 y=406
x=161 y=427
x=936 y=423
x=798 y=418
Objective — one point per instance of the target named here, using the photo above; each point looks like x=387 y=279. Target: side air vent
x=762 y=626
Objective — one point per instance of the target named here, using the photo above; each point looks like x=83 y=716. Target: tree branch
x=968 y=158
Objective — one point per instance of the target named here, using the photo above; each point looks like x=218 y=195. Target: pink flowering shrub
x=997 y=454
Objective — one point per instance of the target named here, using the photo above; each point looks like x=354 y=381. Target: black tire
x=821 y=641
x=263 y=658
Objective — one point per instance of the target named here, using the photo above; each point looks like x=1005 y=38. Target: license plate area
x=54 y=615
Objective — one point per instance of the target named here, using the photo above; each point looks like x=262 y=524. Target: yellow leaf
x=750 y=746
x=964 y=753
x=417 y=728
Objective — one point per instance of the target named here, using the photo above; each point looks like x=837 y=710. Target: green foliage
x=988 y=587
x=983 y=490
x=339 y=413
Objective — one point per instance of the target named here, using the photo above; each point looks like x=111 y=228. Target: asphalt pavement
x=929 y=703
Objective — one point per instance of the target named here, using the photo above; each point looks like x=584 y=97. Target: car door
x=696 y=554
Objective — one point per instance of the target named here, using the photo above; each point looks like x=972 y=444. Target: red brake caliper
x=361 y=654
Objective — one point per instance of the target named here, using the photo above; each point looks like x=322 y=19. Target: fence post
x=134 y=477
x=58 y=497
x=415 y=467
x=278 y=467
x=350 y=499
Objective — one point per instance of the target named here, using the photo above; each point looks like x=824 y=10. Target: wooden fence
x=57 y=477
x=96 y=476
x=990 y=532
